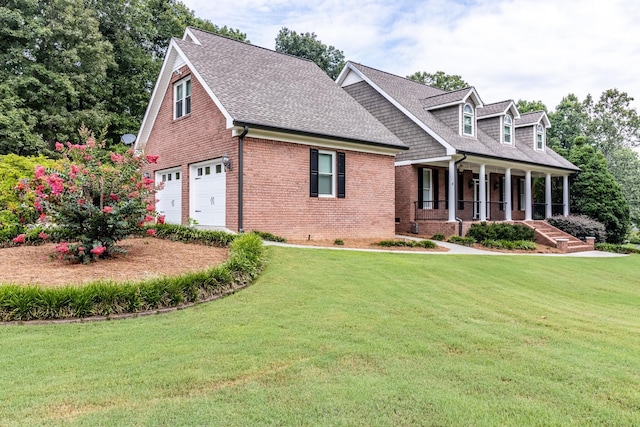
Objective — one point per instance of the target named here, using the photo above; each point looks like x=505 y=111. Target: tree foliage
x=596 y=194
x=307 y=46
x=439 y=80
x=68 y=62
x=525 y=106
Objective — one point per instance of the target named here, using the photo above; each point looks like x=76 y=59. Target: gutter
x=464 y=156
x=241 y=177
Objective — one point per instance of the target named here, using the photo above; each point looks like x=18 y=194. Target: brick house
x=467 y=161
x=252 y=139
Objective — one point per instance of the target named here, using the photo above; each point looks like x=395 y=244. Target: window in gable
x=182 y=98
x=507 y=128
x=468 y=120
x=539 y=137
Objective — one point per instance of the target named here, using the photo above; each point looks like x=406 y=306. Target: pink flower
x=19 y=239
x=116 y=157
x=43 y=235
x=150 y=208
x=151 y=232
x=59 y=146
x=80 y=249
x=40 y=171
x=81 y=202
x=161 y=219
x=148 y=218
x=152 y=159
x=88 y=157
x=56 y=183
x=62 y=248
x=113 y=197
x=98 y=250
x=42 y=217
x=107 y=209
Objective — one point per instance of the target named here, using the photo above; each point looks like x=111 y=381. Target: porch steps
x=547 y=234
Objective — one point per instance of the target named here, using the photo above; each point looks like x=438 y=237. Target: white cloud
x=518 y=49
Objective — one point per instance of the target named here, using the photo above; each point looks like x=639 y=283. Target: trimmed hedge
x=500 y=231
x=580 y=226
x=464 y=241
x=21 y=303
x=509 y=244
x=427 y=244
x=618 y=249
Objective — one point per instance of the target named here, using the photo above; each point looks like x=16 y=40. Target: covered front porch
x=444 y=195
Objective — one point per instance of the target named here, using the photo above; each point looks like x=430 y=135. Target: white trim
x=162 y=85
x=420 y=123
x=188 y=34
x=420 y=161
x=315 y=141
x=503 y=126
x=333 y=173
x=473 y=119
x=177 y=84
x=536 y=132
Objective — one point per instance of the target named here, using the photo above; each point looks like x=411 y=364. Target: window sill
x=182 y=117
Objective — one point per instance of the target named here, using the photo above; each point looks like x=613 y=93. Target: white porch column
x=452 y=190
x=527 y=196
x=507 y=195
x=565 y=195
x=547 y=196
x=483 y=193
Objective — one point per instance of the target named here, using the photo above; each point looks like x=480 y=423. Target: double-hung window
x=327 y=174
x=468 y=119
x=539 y=137
x=507 y=128
x=182 y=98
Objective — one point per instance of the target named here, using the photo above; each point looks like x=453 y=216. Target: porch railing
x=431 y=210
x=540 y=210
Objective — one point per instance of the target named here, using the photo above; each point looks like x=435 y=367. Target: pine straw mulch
x=145 y=258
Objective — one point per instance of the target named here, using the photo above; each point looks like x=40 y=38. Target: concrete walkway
x=453 y=249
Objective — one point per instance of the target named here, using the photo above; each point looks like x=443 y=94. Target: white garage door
x=208 y=190
x=169 y=198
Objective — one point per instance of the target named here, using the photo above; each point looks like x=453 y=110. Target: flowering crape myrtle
x=95 y=199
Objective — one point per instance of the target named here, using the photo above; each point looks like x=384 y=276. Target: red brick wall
x=406 y=191
x=276 y=196
x=276 y=176
x=199 y=136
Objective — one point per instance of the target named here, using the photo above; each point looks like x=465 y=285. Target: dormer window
x=540 y=137
x=182 y=98
x=468 y=119
x=507 y=128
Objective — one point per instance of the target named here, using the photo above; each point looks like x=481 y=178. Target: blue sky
x=508 y=49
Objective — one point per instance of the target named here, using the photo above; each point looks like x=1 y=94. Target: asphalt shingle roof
x=410 y=94
x=263 y=87
x=446 y=98
x=493 y=109
x=529 y=119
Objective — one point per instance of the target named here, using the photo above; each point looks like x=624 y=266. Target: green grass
x=353 y=338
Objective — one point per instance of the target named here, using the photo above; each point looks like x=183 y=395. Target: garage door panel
x=208 y=194
x=169 y=199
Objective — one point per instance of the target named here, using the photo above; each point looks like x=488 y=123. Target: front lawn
x=353 y=338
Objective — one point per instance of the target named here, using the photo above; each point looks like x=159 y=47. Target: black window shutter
x=341 y=175
x=501 y=181
x=420 y=187
x=461 y=191
x=435 y=184
x=446 y=188
x=313 y=173
x=519 y=194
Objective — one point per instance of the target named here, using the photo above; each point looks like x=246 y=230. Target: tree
x=439 y=80
x=307 y=46
x=624 y=165
x=525 y=106
x=569 y=121
x=590 y=185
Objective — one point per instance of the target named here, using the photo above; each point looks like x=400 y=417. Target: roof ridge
x=211 y=33
x=397 y=76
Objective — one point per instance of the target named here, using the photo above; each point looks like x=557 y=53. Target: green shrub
x=619 y=249
x=508 y=244
x=427 y=244
x=465 y=241
x=338 y=242
x=269 y=237
x=500 y=231
x=580 y=226
x=185 y=234
x=439 y=237
x=21 y=303
x=634 y=238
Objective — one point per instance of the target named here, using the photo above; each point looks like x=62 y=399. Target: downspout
x=464 y=156
x=241 y=176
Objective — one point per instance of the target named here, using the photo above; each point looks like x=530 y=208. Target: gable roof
x=455 y=97
x=498 y=109
x=407 y=95
x=533 y=118
x=259 y=87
